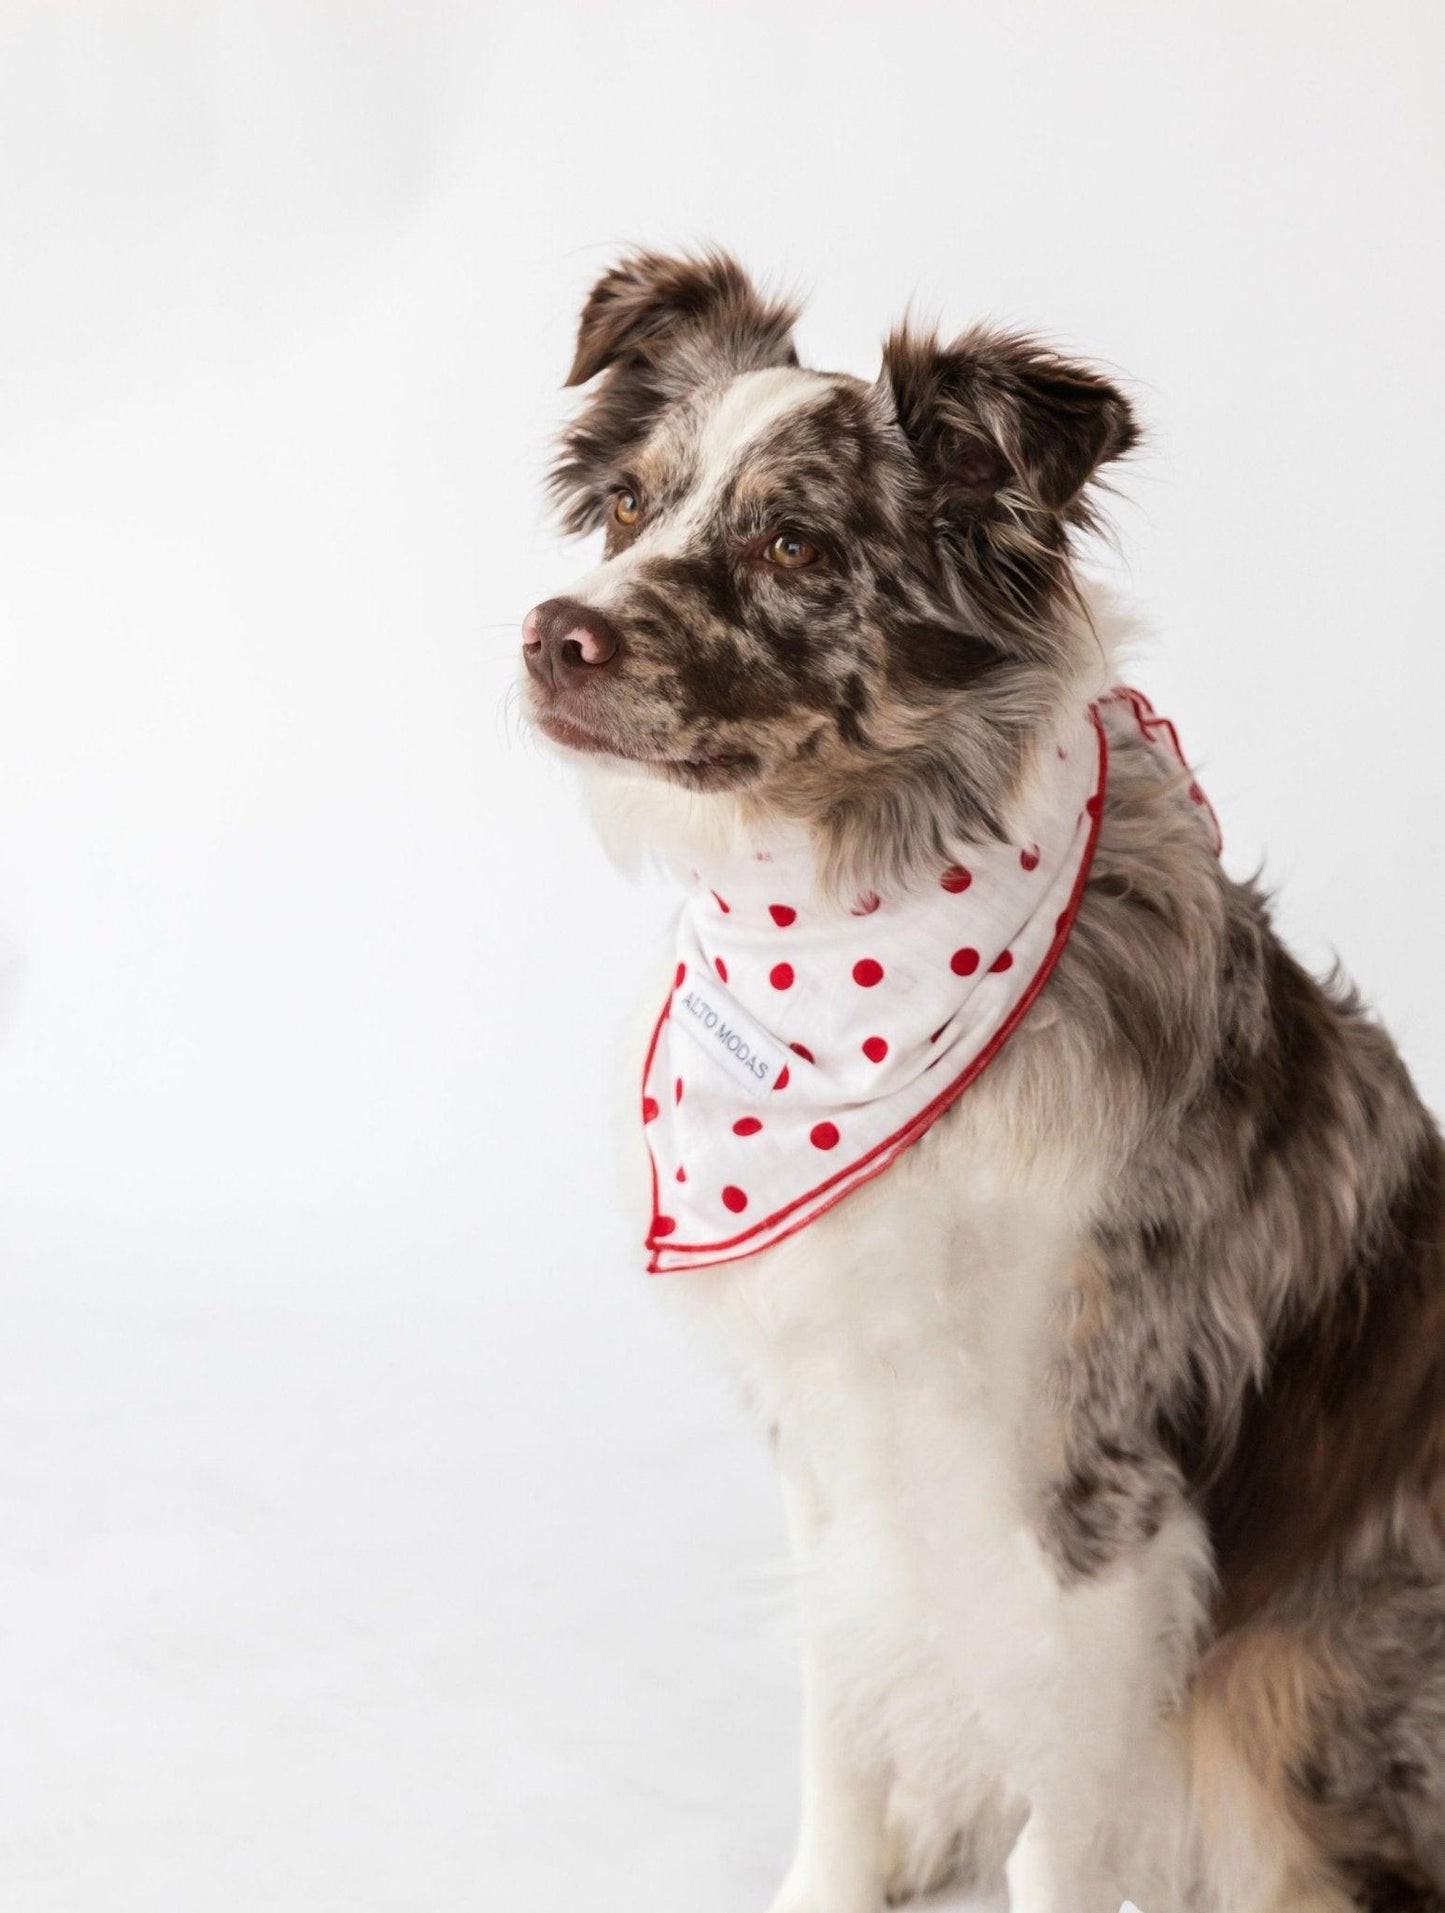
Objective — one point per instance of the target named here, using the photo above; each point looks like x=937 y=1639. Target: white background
x=369 y=1539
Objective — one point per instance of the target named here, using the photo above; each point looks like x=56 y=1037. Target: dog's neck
x=837 y=1031
x=644 y=821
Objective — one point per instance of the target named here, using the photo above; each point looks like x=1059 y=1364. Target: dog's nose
x=563 y=640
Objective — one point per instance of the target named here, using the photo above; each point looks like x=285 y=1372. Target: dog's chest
x=900 y=1347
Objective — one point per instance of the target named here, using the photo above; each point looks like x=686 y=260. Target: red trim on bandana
x=826 y=1195
x=884 y=1154
x=1153 y=728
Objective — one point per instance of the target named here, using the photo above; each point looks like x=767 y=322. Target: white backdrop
x=367 y=1539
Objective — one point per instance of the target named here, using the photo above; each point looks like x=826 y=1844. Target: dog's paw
x=823 y=1900
x=800 y=1894
x=908 y=1881
x=957 y=1842
x=921 y=1859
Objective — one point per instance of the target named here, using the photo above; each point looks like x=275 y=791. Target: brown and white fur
x=1110 y=1419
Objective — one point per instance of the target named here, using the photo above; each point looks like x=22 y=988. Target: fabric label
x=725 y=1032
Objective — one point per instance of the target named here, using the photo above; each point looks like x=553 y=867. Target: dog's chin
x=719 y=771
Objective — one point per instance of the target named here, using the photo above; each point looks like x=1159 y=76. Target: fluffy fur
x=1110 y=1420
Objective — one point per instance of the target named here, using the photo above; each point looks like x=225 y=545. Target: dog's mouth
x=711 y=769
x=562 y=730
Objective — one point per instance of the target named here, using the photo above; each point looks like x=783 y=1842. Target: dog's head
x=844 y=603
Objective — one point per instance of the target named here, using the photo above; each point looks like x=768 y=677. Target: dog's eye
x=791 y=553
x=627 y=508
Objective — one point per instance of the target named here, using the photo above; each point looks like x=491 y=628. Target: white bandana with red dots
x=805 y=1042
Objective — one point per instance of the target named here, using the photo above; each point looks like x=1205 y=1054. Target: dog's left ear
x=996 y=413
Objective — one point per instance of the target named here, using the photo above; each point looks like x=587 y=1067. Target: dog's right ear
x=650 y=308
x=654 y=327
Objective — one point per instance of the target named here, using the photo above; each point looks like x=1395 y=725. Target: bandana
x=806 y=1042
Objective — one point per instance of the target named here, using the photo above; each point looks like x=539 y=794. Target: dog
x=1106 y=1377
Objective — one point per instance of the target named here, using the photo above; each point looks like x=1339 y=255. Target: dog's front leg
x=1101 y=1762
x=1056 y=1866
x=841 y=1855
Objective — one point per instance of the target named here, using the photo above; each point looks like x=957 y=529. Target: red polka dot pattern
x=677 y=1089
x=867 y=994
